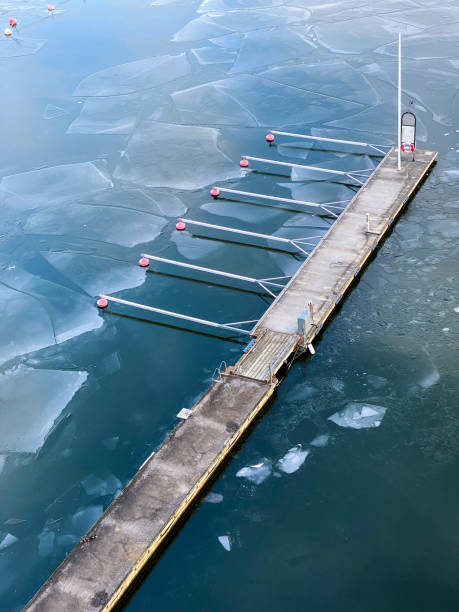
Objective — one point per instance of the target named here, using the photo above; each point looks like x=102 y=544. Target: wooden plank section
x=338 y=258
x=269 y=353
x=104 y=564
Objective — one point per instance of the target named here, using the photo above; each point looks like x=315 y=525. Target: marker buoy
x=144 y=262
x=51 y=8
x=13 y=22
x=102 y=303
x=215 y=192
x=270 y=138
x=180 y=226
x=7 y=32
x=244 y=163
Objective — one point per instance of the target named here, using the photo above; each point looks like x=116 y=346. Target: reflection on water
x=120 y=118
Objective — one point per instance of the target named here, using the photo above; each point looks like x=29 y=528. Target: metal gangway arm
x=337 y=140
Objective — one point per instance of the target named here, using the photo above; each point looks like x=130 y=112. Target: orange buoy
x=7 y=32
x=144 y=262
x=102 y=303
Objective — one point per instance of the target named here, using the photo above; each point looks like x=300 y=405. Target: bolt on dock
x=102 y=568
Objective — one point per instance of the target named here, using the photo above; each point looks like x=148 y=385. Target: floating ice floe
x=230 y=5
x=94 y=274
x=430 y=379
x=111 y=443
x=292 y=460
x=213 y=498
x=134 y=76
x=51 y=185
x=225 y=542
x=219 y=24
x=53 y=112
x=46 y=541
x=359 y=416
x=112 y=115
x=84 y=519
x=183 y=157
x=31 y=401
x=194 y=248
x=7 y=541
x=214 y=55
x=256 y=473
x=250 y=100
x=98 y=487
x=320 y=441
x=16 y=47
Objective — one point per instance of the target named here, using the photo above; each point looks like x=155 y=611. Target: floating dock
x=101 y=569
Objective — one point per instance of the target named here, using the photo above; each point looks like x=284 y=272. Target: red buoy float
x=244 y=163
x=102 y=303
x=13 y=22
x=270 y=138
x=180 y=226
x=144 y=262
x=215 y=192
x=51 y=8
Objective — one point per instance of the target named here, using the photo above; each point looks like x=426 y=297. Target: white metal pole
x=399 y=109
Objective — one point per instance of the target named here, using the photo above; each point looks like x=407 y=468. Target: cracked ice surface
x=359 y=416
x=30 y=402
x=183 y=157
x=123 y=227
x=54 y=184
x=253 y=101
x=218 y=24
x=134 y=76
x=16 y=47
x=230 y=5
x=256 y=473
x=112 y=115
x=94 y=274
x=292 y=460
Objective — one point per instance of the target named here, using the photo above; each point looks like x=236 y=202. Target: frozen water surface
x=31 y=402
x=85 y=518
x=192 y=247
x=112 y=115
x=120 y=226
x=46 y=541
x=359 y=416
x=292 y=460
x=98 y=487
x=320 y=441
x=213 y=498
x=53 y=112
x=8 y=540
x=182 y=157
x=17 y=46
x=134 y=76
x=230 y=5
x=96 y=274
x=248 y=100
x=225 y=542
x=256 y=473
x=54 y=184
x=214 y=55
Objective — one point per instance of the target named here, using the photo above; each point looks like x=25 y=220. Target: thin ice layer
x=359 y=416
x=249 y=100
x=230 y=5
x=95 y=274
x=30 y=403
x=134 y=76
x=214 y=55
x=54 y=184
x=118 y=226
x=112 y=115
x=292 y=460
x=17 y=46
x=183 y=157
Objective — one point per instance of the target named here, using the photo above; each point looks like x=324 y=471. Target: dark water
x=96 y=167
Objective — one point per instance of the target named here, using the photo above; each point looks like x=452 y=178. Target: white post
x=399 y=109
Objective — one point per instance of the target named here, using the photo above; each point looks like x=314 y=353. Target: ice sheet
x=31 y=402
x=117 y=226
x=219 y=24
x=256 y=473
x=182 y=157
x=96 y=486
x=249 y=100
x=8 y=540
x=320 y=441
x=134 y=76
x=292 y=460
x=193 y=247
x=230 y=5
x=17 y=46
x=214 y=55
x=85 y=518
x=96 y=274
x=359 y=416
x=225 y=542
x=53 y=112
x=46 y=541
x=113 y=115
x=336 y=79
x=54 y=184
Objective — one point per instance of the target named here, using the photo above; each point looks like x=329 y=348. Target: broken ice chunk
x=53 y=112
x=54 y=184
x=225 y=542
x=84 y=519
x=185 y=157
x=112 y=115
x=430 y=379
x=7 y=541
x=292 y=460
x=134 y=76
x=214 y=55
x=31 y=401
x=320 y=441
x=46 y=543
x=98 y=487
x=213 y=498
x=359 y=416
x=256 y=473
